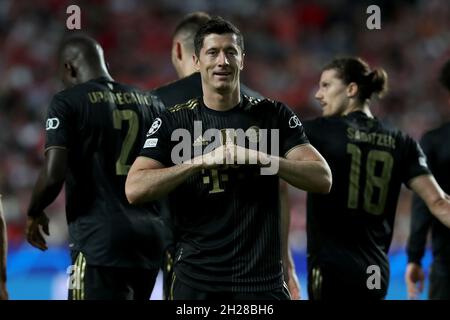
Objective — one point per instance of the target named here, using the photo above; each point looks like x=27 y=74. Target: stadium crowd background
x=287 y=42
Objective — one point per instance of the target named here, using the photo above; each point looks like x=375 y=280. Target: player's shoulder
x=259 y=102
x=402 y=138
x=392 y=129
x=322 y=127
x=179 y=91
x=169 y=88
x=83 y=89
x=438 y=134
x=70 y=95
x=250 y=92
x=255 y=101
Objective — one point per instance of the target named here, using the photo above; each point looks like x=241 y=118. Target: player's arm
x=288 y=263
x=306 y=169
x=419 y=227
x=49 y=184
x=3 y=251
x=437 y=201
x=149 y=180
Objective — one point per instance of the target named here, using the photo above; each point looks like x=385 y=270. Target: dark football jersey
x=438 y=156
x=227 y=220
x=349 y=230
x=101 y=124
x=178 y=92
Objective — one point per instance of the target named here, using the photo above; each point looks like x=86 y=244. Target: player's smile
x=220 y=60
x=222 y=74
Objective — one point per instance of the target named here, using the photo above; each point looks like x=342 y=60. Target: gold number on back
x=133 y=127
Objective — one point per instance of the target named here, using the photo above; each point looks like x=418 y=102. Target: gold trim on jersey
x=286 y=287
x=174 y=277
x=54 y=147
x=252 y=100
x=316 y=283
x=79 y=272
x=190 y=104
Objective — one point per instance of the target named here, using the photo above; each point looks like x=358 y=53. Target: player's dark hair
x=354 y=69
x=85 y=44
x=444 y=76
x=191 y=23
x=188 y=27
x=216 y=25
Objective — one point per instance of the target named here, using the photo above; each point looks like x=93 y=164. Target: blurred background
x=287 y=42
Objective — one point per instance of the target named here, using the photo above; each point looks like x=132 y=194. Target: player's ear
x=352 y=90
x=178 y=50
x=196 y=62
x=70 y=70
x=241 y=67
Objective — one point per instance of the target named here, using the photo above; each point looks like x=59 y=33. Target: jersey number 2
x=133 y=127
x=373 y=181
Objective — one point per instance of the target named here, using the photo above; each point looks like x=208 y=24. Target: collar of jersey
x=235 y=109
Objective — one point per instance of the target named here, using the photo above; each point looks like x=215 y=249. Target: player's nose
x=318 y=95
x=222 y=58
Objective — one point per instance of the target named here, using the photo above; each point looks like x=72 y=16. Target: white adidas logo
x=200 y=141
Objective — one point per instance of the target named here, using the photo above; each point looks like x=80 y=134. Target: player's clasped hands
x=230 y=154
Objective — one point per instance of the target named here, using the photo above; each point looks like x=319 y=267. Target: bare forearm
x=3 y=245
x=312 y=176
x=151 y=184
x=285 y=221
x=441 y=210
x=3 y=251
x=44 y=193
x=437 y=201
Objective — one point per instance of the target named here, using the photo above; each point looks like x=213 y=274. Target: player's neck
x=221 y=101
x=87 y=74
x=364 y=108
x=103 y=74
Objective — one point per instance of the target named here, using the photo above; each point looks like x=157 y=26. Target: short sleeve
x=415 y=161
x=157 y=141
x=59 y=124
x=292 y=132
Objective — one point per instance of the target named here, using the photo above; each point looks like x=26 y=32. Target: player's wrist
x=414 y=261
x=193 y=165
x=266 y=160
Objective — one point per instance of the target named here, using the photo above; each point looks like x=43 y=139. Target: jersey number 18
x=373 y=181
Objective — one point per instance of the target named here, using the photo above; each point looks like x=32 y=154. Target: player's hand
x=3 y=291
x=243 y=155
x=218 y=157
x=34 y=233
x=414 y=278
x=294 y=285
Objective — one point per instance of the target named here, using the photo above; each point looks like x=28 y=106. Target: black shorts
x=181 y=291
x=88 y=282
x=327 y=284
x=439 y=281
